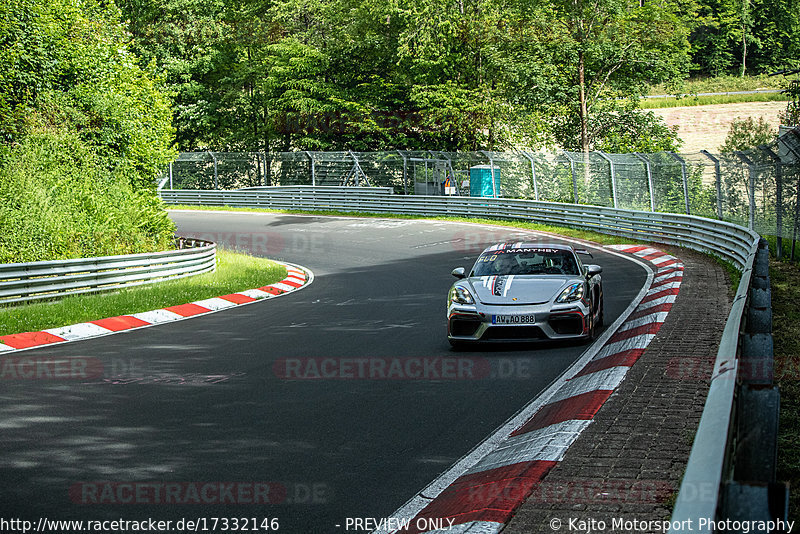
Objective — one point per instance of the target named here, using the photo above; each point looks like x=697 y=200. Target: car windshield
x=521 y=261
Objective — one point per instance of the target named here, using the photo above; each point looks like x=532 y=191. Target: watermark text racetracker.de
x=50 y=368
x=272 y=244
x=404 y=368
x=197 y=524
x=205 y=493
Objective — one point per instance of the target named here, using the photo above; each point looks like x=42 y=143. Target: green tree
x=65 y=65
x=620 y=127
x=740 y=36
x=611 y=49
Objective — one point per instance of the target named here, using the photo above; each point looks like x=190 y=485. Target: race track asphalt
x=232 y=397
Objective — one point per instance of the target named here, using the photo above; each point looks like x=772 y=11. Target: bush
x=58 y=201
x=618 y=127
x=748 y=133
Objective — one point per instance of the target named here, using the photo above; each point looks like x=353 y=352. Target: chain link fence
x=757 y=188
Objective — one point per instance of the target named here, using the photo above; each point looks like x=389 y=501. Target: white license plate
x=514 y=319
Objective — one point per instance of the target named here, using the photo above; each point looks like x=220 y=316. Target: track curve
x=346 y=397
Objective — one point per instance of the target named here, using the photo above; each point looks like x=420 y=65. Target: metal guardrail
x=729 y=241
x=707 y=465
x=756 y=188
x=320 y=188
x=734 y=479
x=709 y=473
x=22 y=282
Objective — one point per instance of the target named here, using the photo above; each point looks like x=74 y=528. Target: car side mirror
x=459 y=272
x=592 y=270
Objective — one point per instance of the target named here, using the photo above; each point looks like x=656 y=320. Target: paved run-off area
x=628 y=463
x=705 y=127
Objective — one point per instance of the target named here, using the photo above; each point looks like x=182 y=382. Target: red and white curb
x=482 y=491
x=296 y=278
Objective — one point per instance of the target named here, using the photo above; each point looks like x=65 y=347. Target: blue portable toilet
x=480 y=181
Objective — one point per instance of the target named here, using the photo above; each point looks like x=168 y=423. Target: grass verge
x=722 y=84
x=235 y=272
x=707 y=100
x=785 y=278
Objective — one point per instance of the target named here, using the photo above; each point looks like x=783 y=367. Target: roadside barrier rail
x=23 y=282
x=724 y=443
x=727 y=240
x=731 y=474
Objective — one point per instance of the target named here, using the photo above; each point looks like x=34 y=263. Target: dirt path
x=705 y=127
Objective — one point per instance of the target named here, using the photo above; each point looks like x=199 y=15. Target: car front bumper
x=479 y=322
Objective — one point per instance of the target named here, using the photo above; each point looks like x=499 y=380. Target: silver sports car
x=524 y=292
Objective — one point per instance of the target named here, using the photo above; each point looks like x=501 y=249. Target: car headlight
x=460 y=295
x=571 y=293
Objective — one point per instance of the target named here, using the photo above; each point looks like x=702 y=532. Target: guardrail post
x=313 y=169
x=613 y=177
x=796 y=153
x=216 y=174
x=685 y=180
x=533 y=175
x=650 y=185
x=796 y=216
x=717 y=180
x=574 y=176
x=751 y=188
x=778 y=196
x=405 y=171
x=258 y=169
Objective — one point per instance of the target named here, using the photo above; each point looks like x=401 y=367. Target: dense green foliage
x=442 y=74
x=741 y=36
x=58 y=201
x=791 y=116
x=84 y=131
x=65 y=65
x=418 y=74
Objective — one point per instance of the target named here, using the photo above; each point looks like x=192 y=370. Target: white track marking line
x=663 y=287
x=668 y=276
x=284 y=287
x=606 y=380
x=472 y=527
x=664 y=259
x=666 y=299
x=636 y=342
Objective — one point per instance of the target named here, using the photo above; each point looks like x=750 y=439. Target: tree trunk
x=744 y=51
x=584 y=113
x=745 y=15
